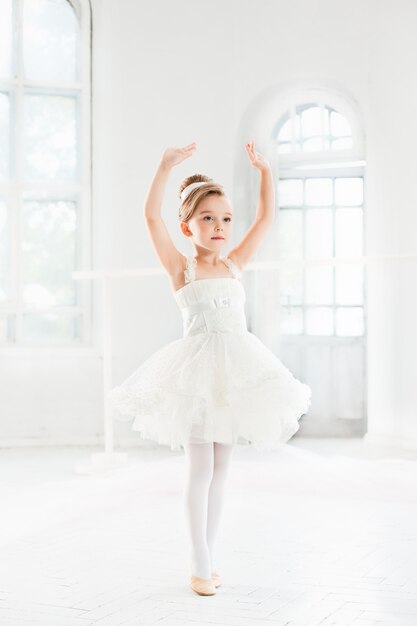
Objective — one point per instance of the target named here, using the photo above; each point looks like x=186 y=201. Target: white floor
x=324 y=532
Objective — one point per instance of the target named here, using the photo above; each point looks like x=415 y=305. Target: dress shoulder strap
x=232 y=267
x=189 y=272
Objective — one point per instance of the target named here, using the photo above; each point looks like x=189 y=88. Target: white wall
x=392 y=161
x=170 y=73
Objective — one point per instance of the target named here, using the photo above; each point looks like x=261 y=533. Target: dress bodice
x=212 y=304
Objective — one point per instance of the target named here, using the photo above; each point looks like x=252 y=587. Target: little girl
x=219 y=384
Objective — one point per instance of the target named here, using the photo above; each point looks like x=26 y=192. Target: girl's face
x=211 y=223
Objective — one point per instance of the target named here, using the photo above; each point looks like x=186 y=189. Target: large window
x=321 y=201
x=44 y=171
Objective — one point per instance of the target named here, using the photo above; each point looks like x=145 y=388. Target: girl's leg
x=199 y=457
x=222 y=456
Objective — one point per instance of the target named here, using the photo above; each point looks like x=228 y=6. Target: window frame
x=321 y=164
x=333 y=173
x=14 y=191
x=321 y=97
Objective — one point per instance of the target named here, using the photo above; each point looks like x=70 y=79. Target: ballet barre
x=109 y=459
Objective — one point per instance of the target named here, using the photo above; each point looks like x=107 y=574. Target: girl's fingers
x=251 y=151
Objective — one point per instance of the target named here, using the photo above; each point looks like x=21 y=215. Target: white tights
x=207 y=465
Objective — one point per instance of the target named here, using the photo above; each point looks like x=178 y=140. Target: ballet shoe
x=202 y=586
x=215 y=577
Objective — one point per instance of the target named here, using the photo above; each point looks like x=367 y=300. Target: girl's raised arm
x=170 y=257
x=265 y=212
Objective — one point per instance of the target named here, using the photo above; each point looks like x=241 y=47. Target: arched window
x=312 y=128
x=318 y=142
x=321 y=202
x=44 y=171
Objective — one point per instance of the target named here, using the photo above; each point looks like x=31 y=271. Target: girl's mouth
x=217 y=237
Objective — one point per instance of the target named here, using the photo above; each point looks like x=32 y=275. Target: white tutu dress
x=218 y=382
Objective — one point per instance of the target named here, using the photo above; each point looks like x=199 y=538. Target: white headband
x=192 y=186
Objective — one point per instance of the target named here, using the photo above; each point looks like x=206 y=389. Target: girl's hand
x=174 y=156
x=256 y=158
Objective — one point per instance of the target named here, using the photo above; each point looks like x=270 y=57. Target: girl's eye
x=226 y=218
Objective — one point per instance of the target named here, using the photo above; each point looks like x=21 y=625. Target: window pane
x=290 y=233
x=319 y=191
x=313 y=145
x=297 y=127
x=349 y=284
x=50 y=40
x=291 y=320
x=290 y=241
x=348 y=191
x=326 y=123
x=49 y=253
x=349 y=232
x=319 y=321
x=50 y=138
x=290 y=192
x=311 y=122
x=6 y=38
x=319 y=285
x=4 y=137
x=291 y=285
x=50 y=328
x=339 y=125
x=349 y=321
x=6 y=328
x=342 y=144
x=5 y=240
x=319 y=233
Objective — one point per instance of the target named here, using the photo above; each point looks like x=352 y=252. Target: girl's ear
x=185 y=230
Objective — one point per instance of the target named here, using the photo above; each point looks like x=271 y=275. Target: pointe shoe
x=215 y=577
x=202 y=586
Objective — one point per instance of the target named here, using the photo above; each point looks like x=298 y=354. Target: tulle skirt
x=217 y=386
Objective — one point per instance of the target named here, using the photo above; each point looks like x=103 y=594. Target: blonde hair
x=195 y=196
